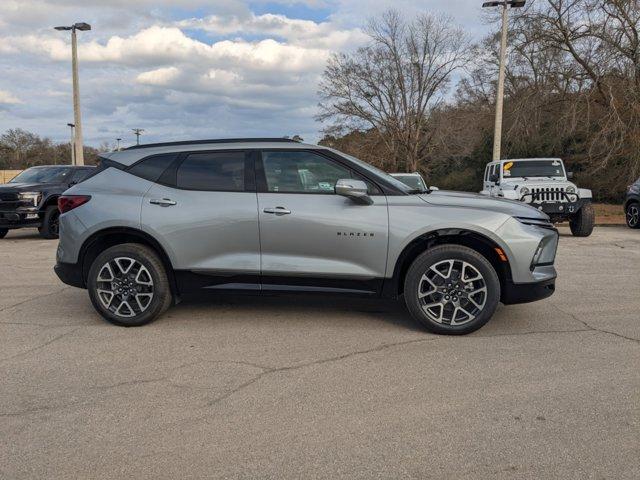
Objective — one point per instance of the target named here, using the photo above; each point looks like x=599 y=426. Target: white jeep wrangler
x=544 y=184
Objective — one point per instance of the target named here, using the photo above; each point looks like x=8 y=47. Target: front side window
x=217 y=171
x=301 y=172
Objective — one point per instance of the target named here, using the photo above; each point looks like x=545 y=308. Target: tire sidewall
x=162 y=292
x=451 y=252
x=3 y=232
x=632 y=204
x=45 y=230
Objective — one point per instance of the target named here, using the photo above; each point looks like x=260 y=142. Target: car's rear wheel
x=581 y=224
x=452 y=289
x=3 y=232
x=128 y=285
x=633 y=215
x=50 y=223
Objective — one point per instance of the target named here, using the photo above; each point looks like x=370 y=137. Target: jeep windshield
x=533 y=168
x=42 y=175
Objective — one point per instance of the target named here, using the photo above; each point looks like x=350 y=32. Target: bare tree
x=392 y=86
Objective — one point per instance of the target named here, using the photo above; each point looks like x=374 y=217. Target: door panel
x=324 y=235
x=216 y=231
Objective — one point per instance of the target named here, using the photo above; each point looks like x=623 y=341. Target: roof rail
x=217 y=140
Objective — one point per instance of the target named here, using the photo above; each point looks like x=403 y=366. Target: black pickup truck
x=30 y=200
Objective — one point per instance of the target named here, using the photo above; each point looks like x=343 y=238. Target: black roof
x=217 y=140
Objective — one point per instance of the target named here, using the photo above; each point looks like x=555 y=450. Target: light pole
x=73 y=153
x=118 y=140
x=497 y=131
x=138 y=132
x=79 y=154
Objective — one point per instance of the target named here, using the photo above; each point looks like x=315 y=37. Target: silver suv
x=271 y=215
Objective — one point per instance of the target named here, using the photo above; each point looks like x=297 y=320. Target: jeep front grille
x=548 y=194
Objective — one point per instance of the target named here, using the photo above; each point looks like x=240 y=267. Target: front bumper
x=513 y=293
x=21 y=218
x=569 y=204
x=70 y=273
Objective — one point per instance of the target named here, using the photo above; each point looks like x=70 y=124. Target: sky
x=184 y=69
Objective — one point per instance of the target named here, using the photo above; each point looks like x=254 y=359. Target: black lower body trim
x=513 y=293
x=70 y=273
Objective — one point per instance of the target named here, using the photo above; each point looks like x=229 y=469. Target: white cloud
x=7 y=98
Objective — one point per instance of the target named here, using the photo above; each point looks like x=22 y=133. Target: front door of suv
x=311 y=238
x=204 y=211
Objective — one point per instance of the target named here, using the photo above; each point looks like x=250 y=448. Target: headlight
x=546 y=251
x=33 y=197
x=570 y=190
x=524 y=191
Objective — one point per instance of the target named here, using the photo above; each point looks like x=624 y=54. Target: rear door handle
x=277 y=210
x=163 y=202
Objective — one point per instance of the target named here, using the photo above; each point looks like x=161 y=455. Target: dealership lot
x=282 y=387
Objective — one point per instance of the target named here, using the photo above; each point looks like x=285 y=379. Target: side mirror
x=569 y=175
x=495 y=178
x=356 y=190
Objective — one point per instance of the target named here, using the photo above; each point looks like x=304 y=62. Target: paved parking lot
x=252 y=387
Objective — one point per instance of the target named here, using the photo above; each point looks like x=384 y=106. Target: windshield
x=42 y=175
x=413 y=181
x=533 y=168
x=376 y=171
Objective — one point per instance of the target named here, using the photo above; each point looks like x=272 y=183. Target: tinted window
x=220 y=171
x=301 y=172
x=152 y=167
x=43 y=175
x=80 y=174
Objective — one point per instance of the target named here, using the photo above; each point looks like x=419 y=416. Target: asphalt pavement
x=310 y=387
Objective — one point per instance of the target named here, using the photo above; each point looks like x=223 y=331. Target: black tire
x=582 y=223
x=162 y=296
x=50 y=223
x=3 y=232
x=436 y=256
x=633 y=215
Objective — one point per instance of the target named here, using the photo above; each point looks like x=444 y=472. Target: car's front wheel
x=128 y=285
x=452 y=289
x=50 y=223
x=633 y=215
x=3 y=232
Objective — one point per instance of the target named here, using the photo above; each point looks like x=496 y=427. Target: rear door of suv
x=312 y=239
x=203 y=209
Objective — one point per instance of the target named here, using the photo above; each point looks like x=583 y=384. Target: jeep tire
x=50 y=223
x=440 y=290
x=128 y=285
x=3 y=232
x=582 y=223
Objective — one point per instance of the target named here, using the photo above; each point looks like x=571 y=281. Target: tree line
x=572 y=91
x=20 y=149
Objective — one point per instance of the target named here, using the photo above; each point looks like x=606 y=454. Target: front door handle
x=163 y=202
x=277 y=210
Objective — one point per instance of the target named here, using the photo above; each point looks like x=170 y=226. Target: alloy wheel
x=124 y=287
x=452 y=292
x=633 y=215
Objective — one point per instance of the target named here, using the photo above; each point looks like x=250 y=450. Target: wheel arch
x=482 y=244
x=631 y=199
x=109 y=237
x=49 y=201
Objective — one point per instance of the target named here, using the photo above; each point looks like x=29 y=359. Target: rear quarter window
x=151 y=168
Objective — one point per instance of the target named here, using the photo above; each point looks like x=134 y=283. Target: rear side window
x=216 y=171
x=151 y=168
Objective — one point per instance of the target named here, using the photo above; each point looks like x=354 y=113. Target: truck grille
x=548 y=194
x=8 y=197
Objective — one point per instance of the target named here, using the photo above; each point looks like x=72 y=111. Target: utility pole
x=138 y=132
x=71 y=143
x=78 y=145
x=497 y=130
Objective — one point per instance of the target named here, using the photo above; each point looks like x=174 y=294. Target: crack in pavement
x=591 y=327
x=9 y=307
x=38 y=347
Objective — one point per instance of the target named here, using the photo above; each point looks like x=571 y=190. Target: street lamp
x=79 y=155
x=118 y=146
x=71 y=143
x=138 y=132
x=497 y=131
